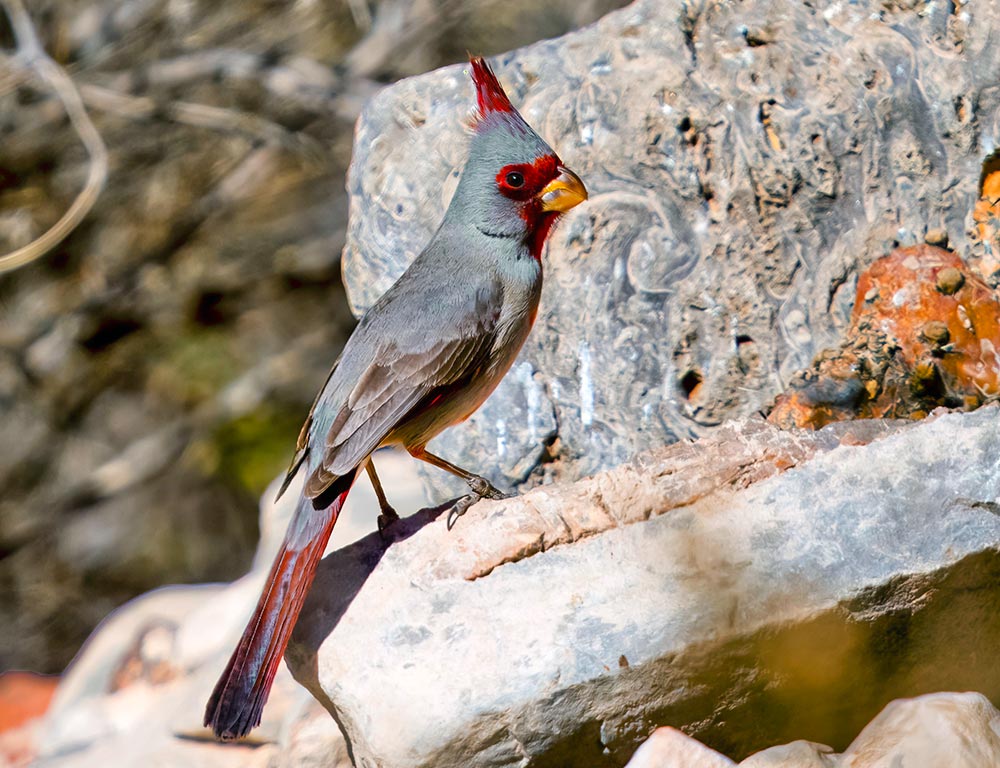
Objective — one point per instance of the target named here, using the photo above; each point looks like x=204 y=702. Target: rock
x=938 y=237
x=717 y=587
x=746 y=161
x=984 y=229
x=315 y=742
x=24 y=698
x=922 y=335
x=960 y=730
x=18 y=746
x=669 y=748
x=798 y=754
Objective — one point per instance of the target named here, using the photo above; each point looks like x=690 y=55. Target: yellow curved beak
x=562 y=193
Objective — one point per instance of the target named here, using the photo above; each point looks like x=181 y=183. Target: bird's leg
x=481 y=487
x=387 y=514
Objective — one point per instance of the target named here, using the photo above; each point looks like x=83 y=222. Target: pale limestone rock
x=677 y=589
x=950 y=730
x=798 y=754
x=937 y=730
x=670 y=748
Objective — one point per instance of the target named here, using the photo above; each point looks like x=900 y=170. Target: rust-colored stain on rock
x=23 y=696
x=925 y=333
x=986 y=215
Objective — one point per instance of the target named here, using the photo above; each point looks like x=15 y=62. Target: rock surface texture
x=745 y=160
x=716 y=587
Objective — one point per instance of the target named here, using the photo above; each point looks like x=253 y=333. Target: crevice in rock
x=689 y=23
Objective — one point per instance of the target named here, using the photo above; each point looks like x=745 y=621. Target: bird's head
x=514 y=186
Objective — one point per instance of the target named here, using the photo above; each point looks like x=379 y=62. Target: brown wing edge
x=322 y=480
x=302 y=442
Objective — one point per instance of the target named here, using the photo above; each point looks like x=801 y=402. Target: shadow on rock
x=339 y=578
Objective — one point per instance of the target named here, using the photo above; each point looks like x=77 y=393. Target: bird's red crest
x=489 y=93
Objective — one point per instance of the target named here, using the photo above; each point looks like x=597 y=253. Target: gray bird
x=422 y=359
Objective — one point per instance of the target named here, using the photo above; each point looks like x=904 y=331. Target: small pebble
x=937 y=236
x=936 y=333
x=949 y=280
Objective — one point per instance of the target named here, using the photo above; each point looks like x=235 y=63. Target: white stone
x=670 y=748
x=946 y=730
x=798 y=754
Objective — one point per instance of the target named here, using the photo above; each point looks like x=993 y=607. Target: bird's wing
x=302 y=443
x=405 y=370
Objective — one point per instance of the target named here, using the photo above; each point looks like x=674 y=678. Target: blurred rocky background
x=156 y=366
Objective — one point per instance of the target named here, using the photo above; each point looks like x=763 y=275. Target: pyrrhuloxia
x=422 y=359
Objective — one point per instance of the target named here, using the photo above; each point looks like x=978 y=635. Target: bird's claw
x=385 y=521
x=484 y=489
x=481 y=489
x=461 y=507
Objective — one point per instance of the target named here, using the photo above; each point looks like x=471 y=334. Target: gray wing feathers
x=397 y=371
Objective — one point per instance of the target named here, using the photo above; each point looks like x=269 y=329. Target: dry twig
x=32 y=55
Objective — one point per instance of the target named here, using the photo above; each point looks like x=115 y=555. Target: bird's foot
x=484 y=489
x=386 y=520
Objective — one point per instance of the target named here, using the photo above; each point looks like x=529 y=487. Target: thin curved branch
x=31 y=53
x=203 y=116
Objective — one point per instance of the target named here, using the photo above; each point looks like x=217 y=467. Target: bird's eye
x=515 y=179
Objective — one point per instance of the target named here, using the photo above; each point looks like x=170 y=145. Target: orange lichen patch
x=925 y=333
x=991 y=186
x=942 y=316
x=23 y=697
x=986 y=215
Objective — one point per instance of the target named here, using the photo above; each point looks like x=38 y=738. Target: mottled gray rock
x=702 y=589
x=745 y=162
x=798 y=754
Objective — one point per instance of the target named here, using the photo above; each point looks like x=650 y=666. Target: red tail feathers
x=237 y=702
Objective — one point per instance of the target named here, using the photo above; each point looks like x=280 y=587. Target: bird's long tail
x=235 y=706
